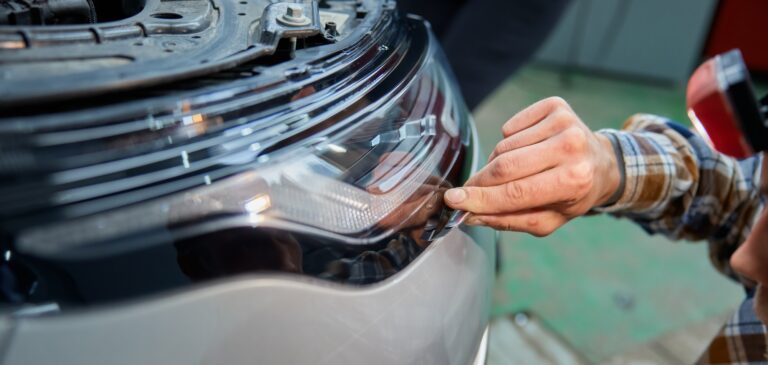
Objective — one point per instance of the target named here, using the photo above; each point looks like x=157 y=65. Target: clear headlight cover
x=356 y=171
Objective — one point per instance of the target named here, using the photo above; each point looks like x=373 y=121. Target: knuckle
x=514 y=191
x=480 y=195
x=574 y=141
x=496 y=171
x=562 y=116
x=579 y=177
x=579 y=172
x=568 y=146
x=503 y=146
x=503 y=165
x=561 y=119
x=557 y=101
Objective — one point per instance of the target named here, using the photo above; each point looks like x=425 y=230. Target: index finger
x=529 y=193
x=515 y=165
x=532 y=115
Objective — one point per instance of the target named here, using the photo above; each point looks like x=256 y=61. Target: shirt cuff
x=628 y=183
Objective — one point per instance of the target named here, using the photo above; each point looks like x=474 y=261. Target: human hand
x=548 y=169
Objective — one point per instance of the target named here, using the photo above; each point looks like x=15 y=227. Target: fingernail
x=456 y=195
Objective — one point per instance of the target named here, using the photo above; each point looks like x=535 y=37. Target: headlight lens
x=354 y=162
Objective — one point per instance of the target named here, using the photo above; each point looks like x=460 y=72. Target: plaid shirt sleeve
x=741 y=341
x=678 y=186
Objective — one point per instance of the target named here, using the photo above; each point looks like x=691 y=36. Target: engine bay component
x=46 y=12
x=49 y=51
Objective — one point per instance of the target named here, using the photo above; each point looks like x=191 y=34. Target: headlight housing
x=351 y=149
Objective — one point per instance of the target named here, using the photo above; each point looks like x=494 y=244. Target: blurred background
x=600 y=290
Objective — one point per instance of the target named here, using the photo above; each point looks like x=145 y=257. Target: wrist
x=610 y=175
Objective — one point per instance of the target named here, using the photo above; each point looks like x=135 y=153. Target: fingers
x=520 y=163
x=552 y=124
x=537 y=223
x=559 y=185
x=532 y=115
x=538 y=177
x=516 y=164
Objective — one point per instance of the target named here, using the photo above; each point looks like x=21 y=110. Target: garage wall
x=658 y=39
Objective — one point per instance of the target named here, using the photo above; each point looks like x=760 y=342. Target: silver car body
x=433 y=310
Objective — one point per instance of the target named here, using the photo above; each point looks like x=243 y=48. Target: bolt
x=330 y=27
x=294 y=12
x=294 y=16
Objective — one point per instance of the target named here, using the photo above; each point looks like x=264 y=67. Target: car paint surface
x=434 y=312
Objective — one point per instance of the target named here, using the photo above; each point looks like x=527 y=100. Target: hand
x=548 y=169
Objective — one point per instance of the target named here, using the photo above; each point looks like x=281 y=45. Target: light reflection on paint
x=699 y=127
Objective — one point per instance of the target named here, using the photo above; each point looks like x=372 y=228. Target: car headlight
x=350 y=148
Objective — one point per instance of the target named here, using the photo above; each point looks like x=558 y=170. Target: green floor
x=602 y=284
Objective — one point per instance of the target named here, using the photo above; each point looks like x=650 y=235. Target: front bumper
x=434 y=312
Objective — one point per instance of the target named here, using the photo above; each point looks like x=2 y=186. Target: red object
x=741 y=24
x=712 y=113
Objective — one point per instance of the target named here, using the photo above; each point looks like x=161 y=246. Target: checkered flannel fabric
x=678 y=186
x=741 y=341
